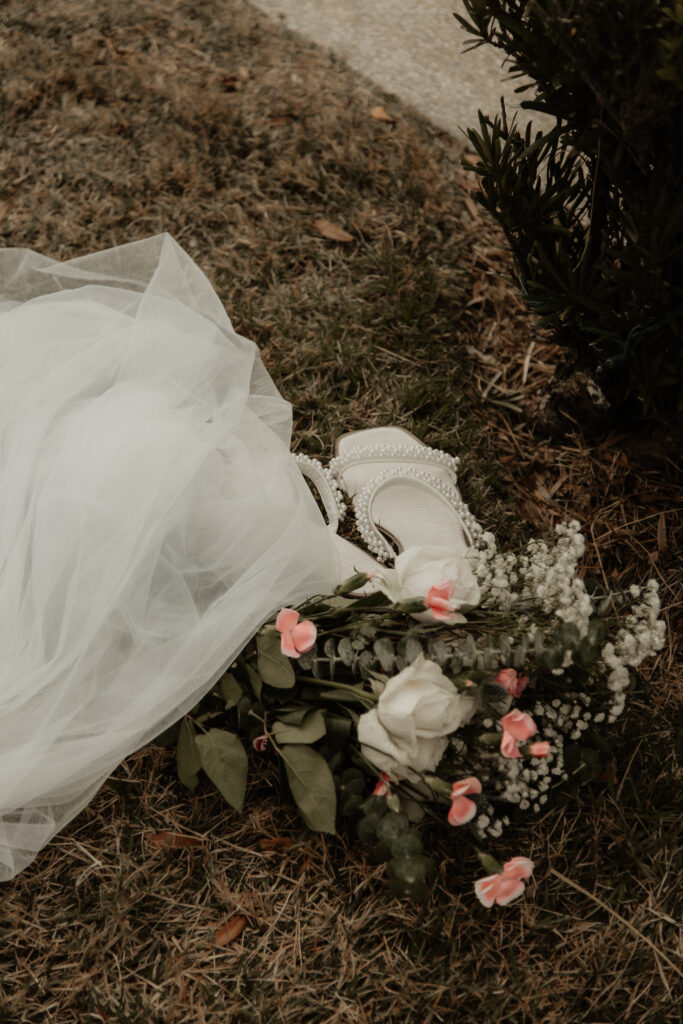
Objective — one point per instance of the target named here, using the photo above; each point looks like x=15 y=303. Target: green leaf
x=224 y=760
x=187 y=755
x=312 y=786
x=274 y=667
x=312 y=728
x=231 y=691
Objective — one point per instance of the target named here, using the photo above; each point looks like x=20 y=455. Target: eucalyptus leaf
x=274 y=667
x=385 y=654
x=413 y=649
x=312 y=728
x=224 y=760
x=346 y=651
x=312 y=786
x=187 y=755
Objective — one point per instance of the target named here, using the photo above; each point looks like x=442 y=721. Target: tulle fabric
x=151 y=517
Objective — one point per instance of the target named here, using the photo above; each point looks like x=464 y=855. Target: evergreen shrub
x=593 y=206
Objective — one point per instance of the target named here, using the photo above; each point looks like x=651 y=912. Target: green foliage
x=592 y=208
x=224 y=760
x=312 y=786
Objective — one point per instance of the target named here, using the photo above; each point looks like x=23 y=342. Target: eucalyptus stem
x=330 y=684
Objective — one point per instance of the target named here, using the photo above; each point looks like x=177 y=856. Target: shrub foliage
x=593 y=207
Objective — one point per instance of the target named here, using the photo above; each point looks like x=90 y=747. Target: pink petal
x=518 y=867
x=487 y=889
x=287 y=645
x=462 y=810
x=287 y=619
x=443 y=591
x=540 y=749
x=508 y=746
x=304 y=635
x=381 y=788
x=509 y=890
x=469 y=785
x=519 y=724
x=260 y=743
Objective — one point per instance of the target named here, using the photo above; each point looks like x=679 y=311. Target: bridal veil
x=151 y=517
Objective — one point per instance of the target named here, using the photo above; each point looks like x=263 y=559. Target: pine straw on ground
x=207 y=121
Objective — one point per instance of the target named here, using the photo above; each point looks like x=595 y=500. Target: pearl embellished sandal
x=404 y=493
x=352 y=559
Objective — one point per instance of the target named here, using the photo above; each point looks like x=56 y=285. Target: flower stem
x=330 y=684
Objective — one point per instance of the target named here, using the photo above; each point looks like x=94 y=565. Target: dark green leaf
x=312 y=786
x=187 y=755
x=231 y=691
x=224 y=760
x=312 y=728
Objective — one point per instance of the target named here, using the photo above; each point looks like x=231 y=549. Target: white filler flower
x=406 y=733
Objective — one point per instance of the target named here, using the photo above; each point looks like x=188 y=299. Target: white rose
x=418 y=569
x=406 y=733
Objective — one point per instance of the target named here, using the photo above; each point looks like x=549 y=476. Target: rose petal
x=469 y=785
x=508 y=746
x=287 y=619
x=304 y=635
x=487 y=889
x=508 y=890
x=540 y=749
x=518 y=867
x=519 y=724
x=462 y=810
x=287 y=645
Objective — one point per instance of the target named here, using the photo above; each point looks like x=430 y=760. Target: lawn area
x=207 y=121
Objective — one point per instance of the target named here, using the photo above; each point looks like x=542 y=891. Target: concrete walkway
x=411 y=48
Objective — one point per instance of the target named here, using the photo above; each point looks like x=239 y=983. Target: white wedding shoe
x=404 y=493
x=351 y=558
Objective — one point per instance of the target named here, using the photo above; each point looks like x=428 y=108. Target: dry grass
x=124 y=119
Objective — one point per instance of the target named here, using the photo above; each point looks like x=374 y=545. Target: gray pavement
x=411 y=48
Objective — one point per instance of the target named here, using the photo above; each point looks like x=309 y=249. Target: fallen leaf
x=172 y=840
x=276 y=843
x=4 y=207
x=278 y=119
x=332 y=231
x=230 y=931
x=305 y=866
x=380 y=114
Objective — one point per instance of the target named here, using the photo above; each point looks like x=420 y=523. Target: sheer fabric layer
x=150 y=517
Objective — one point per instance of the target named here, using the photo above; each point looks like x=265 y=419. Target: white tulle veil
x=151 y=517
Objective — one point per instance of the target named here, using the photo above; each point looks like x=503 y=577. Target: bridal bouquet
x=463 y=688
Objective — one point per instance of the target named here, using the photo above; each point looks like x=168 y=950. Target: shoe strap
x=411 y=454
x=418 y=477
x=326 y=486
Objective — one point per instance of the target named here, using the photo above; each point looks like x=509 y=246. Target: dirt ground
x=208 y=121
